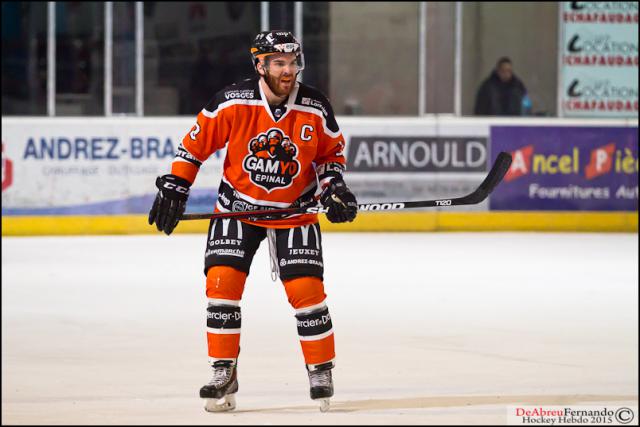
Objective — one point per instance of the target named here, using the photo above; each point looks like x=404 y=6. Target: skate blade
x=226 y=403
x=324 y=404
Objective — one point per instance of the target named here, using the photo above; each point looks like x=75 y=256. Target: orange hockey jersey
x=270 y=163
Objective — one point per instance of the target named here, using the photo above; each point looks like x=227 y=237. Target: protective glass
x=277 y=64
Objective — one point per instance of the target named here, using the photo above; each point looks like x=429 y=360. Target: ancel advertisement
x=567 y=168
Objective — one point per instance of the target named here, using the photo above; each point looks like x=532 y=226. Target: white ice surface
x=430 y=328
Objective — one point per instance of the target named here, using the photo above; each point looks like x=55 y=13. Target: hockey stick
x=497 y=172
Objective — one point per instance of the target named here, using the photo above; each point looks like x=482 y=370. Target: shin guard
x=315 y=330
x=224 y=290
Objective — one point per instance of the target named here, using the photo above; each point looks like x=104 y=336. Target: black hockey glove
x=170 y=202
x=340 y=200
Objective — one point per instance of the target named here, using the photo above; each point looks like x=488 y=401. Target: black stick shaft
x=497 y=172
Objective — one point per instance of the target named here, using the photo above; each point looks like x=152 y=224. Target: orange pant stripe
x=304 y=291
x=319 y=351
x=223 y=346
x=225 y=282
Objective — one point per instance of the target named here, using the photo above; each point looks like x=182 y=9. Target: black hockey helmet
x=276 y=41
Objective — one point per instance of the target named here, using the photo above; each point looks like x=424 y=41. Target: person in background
x=502 y=93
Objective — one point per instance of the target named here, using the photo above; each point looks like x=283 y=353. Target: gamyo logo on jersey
x=271 y=162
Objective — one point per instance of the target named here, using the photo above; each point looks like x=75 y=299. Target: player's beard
x=273 y=84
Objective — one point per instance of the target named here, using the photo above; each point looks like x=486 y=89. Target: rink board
x=368 y=221
x=96 y=176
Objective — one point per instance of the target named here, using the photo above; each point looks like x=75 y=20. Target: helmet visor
x=276 y=63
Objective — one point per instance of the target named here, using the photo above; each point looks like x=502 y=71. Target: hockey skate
x=321 y=384
x=219 y=394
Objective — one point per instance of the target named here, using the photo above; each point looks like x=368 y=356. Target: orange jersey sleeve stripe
x=184 y=170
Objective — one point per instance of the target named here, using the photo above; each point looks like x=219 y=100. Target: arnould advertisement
x=421 y=166
x=599 y=59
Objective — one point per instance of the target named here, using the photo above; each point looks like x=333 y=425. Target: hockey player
x=284 y=149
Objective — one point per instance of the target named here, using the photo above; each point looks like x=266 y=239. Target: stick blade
x=497 y=172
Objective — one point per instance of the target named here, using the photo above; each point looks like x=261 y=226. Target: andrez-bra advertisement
x=94 y=166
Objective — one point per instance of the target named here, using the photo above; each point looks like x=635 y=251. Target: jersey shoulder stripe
x=310 y=97
x=243 y=90
x=185 y=156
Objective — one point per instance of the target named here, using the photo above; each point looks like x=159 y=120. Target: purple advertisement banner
x=559 y=168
